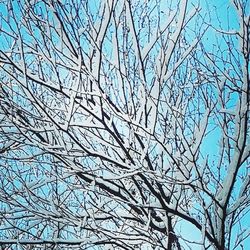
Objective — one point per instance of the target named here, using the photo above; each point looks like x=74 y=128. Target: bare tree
x=122 y=127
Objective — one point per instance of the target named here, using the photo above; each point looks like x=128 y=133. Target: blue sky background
x=217 y=8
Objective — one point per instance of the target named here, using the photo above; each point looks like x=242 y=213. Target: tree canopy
x=124 y=124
